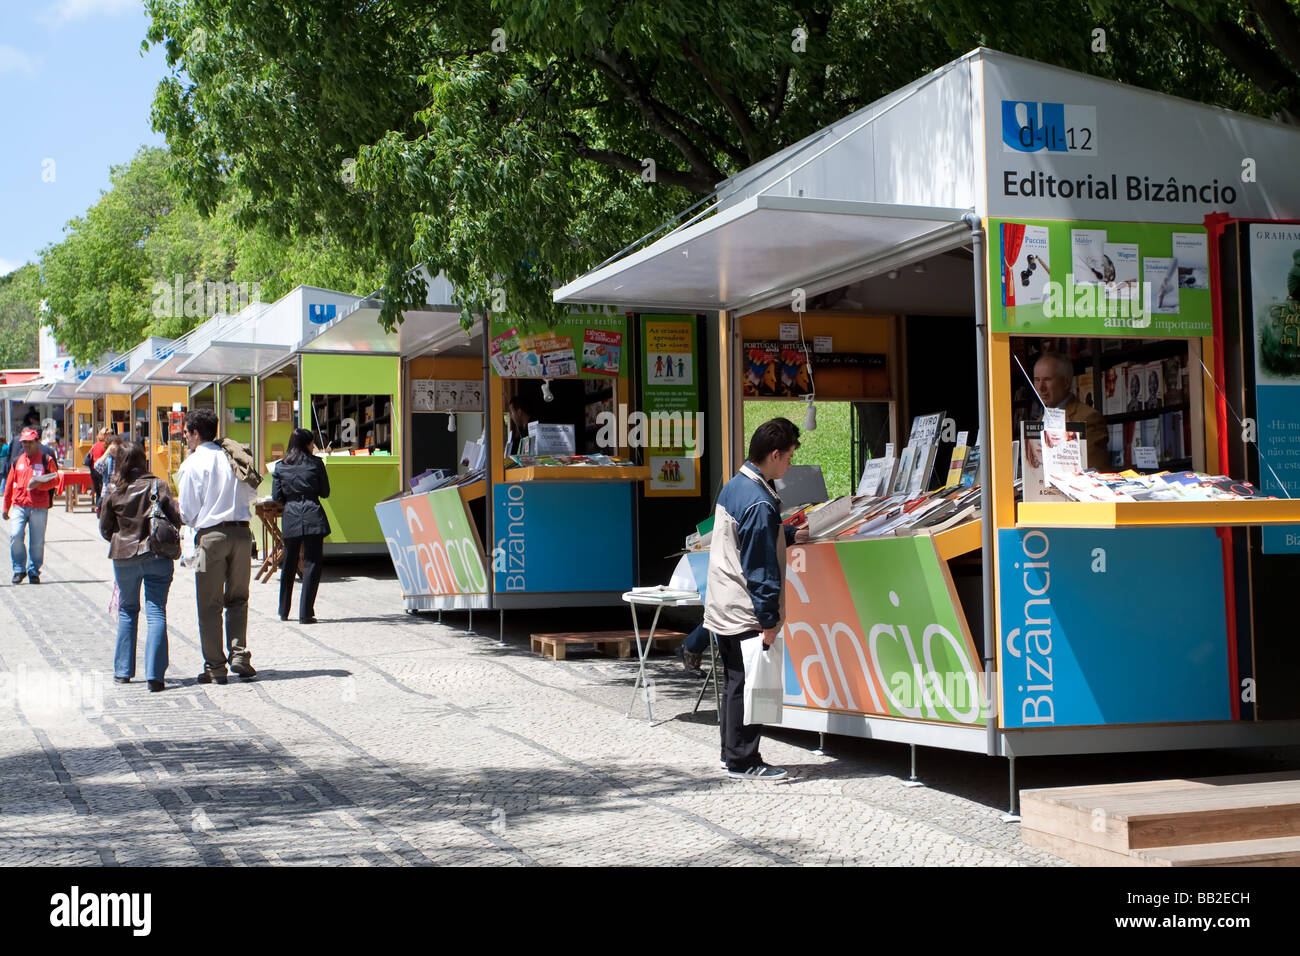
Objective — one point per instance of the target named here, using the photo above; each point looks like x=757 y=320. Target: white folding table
x=658 y=597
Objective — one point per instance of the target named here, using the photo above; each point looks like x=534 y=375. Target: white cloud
x=66 y=11
x=7 y=267
x=14 y=60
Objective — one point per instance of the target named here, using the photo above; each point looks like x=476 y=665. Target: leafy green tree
x=515 y=143
x=19 y=317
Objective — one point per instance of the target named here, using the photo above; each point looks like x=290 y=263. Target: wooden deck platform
x=1246 y=820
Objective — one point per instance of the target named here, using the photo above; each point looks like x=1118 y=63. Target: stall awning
x=227 y=359
x=104 y=381
x=64 y=391
x=754 y=253
x=420 y=331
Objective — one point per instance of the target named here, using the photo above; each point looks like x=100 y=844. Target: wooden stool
x=610 y=643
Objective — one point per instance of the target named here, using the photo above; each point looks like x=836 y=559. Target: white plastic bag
x=189 y=548
x=764 y=668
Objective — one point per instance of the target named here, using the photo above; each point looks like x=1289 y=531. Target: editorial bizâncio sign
x=1099 y=278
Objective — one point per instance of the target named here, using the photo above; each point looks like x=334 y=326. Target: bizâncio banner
x=579 y=346
x=434 y=544
x=670 y=399
x=1099 y=278
x=872 y=628
x=1275 y=317
x=1106 y=627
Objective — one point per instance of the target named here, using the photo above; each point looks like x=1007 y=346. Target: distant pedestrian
x=28 y=489
x=300 y=481
x=96 y=452
x=139 y=558
x=106 y=464
x=215 y=503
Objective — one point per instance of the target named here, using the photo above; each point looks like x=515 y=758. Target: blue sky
x=74 y=90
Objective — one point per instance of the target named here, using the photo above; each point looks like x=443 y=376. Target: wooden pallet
x=612 y=643
x=1246 y=820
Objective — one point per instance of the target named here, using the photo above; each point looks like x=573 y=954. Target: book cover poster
x=601 y=351
x=1112 y=390
x=1193 y=258
x=793 y=377
x=457 y=396
x=674 y=473
x=1160 y=275
x=1123 y=257
x=761 y=372
x=1088 y=255
x=1026 y=263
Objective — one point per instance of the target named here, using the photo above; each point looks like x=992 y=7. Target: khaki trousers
x=224 y=568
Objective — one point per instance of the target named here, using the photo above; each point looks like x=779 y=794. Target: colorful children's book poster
x=601 y=351
x=761 y=372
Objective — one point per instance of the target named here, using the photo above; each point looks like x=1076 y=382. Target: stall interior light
x=451 y=421
x=893 y=273
x=920 y=269
x=546 y=391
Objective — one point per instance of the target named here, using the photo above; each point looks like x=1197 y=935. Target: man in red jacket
x=28 y=488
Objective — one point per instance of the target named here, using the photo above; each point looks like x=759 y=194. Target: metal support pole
x=821 y=745
x=985 y=472
x=470 y=628
x=501 y=627
x=1012 y=815
x=911 y=780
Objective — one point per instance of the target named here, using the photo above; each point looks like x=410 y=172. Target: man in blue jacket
x=746 y=579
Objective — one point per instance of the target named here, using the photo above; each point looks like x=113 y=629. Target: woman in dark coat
x=300 y=482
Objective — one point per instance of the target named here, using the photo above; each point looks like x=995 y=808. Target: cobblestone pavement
x=377 y=737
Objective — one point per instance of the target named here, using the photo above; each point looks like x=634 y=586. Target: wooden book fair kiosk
x=991 y=212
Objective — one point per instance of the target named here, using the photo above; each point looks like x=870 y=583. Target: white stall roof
x=436 y=327
x=887 y=184
x=757 y=251
x=167 y=370
x=260 y=342
x=106 y=378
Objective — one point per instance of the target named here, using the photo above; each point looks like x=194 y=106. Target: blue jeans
x=27 y=522
x=697 y=642
x=156 y=575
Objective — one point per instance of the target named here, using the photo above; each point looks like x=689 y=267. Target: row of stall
x=915 y=259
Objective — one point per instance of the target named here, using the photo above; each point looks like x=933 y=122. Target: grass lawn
x=828 y=446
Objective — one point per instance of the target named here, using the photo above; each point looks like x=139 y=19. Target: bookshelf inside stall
x=1141 y=387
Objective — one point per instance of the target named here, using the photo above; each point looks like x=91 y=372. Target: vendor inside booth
x=989 y=585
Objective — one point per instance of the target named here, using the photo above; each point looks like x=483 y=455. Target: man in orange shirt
x=28 y=488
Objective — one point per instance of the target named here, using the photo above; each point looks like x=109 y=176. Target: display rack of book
x=1141 y=387
x=370 y=416
x=573 y=468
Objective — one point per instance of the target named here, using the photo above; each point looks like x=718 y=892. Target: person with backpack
x=28 y=489
x=140 y=520
x=300 y=482
x=97 y=452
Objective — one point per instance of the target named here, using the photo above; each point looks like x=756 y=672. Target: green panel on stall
x=237 y=395
x=356 y=483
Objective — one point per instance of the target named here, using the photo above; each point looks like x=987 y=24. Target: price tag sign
x=1054 y=419
x=822 y=343
x=1144 y=456
x=789 y=331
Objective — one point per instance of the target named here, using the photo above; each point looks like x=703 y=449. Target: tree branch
x=1282 y=26
x=1252 y=57
x=699 y=185
x=651 y=111
x=749 y=135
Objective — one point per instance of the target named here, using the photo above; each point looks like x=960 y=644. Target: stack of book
x=899 y=515
x=1163 y=486
x=565 y=461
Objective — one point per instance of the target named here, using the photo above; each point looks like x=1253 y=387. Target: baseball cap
x=29 y=434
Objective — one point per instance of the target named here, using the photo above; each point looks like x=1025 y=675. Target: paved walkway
x=377 y=737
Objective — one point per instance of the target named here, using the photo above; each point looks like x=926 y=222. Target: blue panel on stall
x=563 y=536
x=1112 y=627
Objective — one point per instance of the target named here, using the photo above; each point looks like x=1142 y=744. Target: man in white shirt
x=216 y=505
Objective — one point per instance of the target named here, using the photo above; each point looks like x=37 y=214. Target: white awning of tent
x=38 y=392
x=227 y=359
x=106 y=380
x=420 y=332
x=64 y=391
x=753 y=254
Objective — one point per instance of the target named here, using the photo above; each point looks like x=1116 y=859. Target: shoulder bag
x=164 y=537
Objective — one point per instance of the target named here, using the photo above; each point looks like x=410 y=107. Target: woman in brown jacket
x=124 y=521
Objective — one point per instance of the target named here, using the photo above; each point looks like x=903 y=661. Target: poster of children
x=668 y=353
x=601 y=351
x=669 y=473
